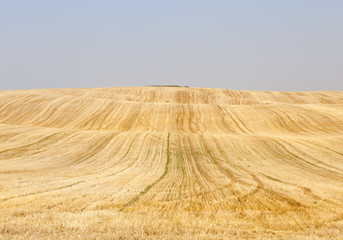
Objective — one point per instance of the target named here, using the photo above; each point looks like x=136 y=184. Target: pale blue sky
x=244 y=44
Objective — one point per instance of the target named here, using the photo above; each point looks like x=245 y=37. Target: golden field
x=170 y=163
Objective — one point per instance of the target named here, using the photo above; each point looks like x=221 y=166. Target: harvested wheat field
x=170 y=163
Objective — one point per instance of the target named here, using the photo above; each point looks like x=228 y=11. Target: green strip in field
x=147 y=189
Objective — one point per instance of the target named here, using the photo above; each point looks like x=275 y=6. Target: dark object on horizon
x=166 y=86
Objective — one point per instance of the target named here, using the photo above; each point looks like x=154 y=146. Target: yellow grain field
x=170 y=163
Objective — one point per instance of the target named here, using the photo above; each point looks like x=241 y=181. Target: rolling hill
x=169 y=163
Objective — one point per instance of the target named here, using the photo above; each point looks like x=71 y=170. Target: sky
x=293 y=45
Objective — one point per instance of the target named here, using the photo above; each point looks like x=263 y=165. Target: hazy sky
x=244 y=44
